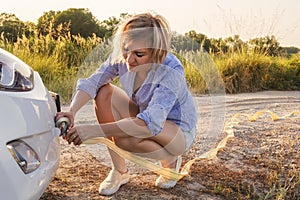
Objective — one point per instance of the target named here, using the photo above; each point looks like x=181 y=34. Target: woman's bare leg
x=113 y=104
x=106 y=100
x=166 y=146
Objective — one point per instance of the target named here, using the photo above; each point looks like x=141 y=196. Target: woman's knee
x=104 y=94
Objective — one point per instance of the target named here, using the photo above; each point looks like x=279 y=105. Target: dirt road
x=261 y=161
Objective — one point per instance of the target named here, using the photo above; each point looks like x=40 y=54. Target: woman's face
x=136 y=53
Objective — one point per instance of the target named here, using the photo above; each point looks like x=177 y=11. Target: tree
x=266 y=45
x=108 y=26
x=80 y=22
x=290 y=50
x=46 y=22
x=233 y=44
x=218 y=46
x=11 y=27
x=200 y=38
x=183 y=43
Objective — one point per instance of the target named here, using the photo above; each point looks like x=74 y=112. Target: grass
x=63 y=60
x=56 y=60
x=251 y=72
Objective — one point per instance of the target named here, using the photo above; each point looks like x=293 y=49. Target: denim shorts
x=189 y=138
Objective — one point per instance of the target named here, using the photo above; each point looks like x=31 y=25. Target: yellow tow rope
x=171 y=174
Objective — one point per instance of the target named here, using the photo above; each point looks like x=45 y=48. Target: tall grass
x=251 y=71
x=62 y=60
x=56 y=59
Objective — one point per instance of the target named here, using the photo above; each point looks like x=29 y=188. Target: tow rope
x=171 y=174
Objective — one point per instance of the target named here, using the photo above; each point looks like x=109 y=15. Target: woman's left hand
x=73 y=136
x=80 y=133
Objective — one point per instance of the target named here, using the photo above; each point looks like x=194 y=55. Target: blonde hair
x=153 y=29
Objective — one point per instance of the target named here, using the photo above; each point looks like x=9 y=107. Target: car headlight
x=15 y=75
x=24 y=155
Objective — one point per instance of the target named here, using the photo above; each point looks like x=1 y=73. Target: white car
x=29 y=144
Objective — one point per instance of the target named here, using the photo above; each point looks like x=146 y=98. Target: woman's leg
x=166 y=146
x=107 y=100
x=112 y=104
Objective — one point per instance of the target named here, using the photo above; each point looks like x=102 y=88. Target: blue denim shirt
x=164 y=95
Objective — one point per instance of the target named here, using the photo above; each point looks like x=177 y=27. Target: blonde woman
x=153 y=115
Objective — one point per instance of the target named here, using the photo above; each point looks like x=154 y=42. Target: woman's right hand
x=67 y=114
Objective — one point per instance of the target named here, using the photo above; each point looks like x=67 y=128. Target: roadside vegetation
x=62 y=52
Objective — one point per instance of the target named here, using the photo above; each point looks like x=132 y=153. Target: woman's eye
x=125 y=50
x=139 y=54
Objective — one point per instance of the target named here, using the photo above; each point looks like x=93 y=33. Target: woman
x=153 y=115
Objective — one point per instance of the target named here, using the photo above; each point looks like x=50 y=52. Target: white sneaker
x=113 y=182
x=166 y=183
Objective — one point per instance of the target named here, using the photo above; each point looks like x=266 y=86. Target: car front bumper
x=29 y=117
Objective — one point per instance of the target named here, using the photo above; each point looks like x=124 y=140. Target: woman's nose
x=130 y=57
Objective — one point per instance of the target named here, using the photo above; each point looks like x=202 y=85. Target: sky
x=213 y=18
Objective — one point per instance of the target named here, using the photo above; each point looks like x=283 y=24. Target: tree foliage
x=45 y=22
x=267 y=45
x=75 y=22
x=80 y=21
x=11 y=27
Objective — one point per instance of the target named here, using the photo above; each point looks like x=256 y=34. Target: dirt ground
x=261 y=161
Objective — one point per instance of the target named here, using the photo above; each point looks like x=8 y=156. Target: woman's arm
x=128 y=127
x=87 y=88
x=80 y=99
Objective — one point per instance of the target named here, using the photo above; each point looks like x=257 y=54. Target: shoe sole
x=113 y=190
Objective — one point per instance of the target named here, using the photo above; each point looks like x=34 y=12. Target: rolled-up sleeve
x=106 y=73
x=158 y=109
x=154 y=118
